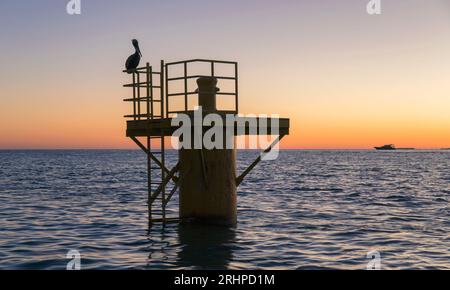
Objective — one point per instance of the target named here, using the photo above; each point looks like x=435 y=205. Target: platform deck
x=246 y=126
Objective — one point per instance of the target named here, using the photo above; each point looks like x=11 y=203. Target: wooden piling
x=208 y=190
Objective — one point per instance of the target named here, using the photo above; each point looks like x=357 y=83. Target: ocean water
x=305 y=210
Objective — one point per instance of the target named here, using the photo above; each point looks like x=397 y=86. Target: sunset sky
x=346 y=79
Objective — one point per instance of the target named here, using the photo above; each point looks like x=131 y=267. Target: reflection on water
x=306 y=210
x=190 y=246
x=205 y=246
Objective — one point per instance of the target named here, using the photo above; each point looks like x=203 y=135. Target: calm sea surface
x=306 y=210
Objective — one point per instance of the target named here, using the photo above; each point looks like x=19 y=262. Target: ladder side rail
x=149 y=160
x=236 y=88
x=163 y=157
x=138 y=96
x=166 y=89
x=148 y=90
x=134 y=96
x=185 y=87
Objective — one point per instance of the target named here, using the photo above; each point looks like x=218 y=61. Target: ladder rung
x=167 y=219
x=156 y=213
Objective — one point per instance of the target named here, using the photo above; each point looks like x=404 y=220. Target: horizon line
x=172 y=149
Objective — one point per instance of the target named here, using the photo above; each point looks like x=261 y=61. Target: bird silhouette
x=134 y=59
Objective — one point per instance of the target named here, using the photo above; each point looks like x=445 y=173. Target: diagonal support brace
x=174 y=189
x=146 y=151
x=165 y=181
x=257 y=160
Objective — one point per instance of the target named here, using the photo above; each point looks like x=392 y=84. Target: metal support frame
x=166 y=181
x=164 y=81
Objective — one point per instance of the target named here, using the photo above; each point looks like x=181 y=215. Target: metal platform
x=242 y=126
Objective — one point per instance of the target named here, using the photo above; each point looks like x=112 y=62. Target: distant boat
x=386 y=147
x=391 y=147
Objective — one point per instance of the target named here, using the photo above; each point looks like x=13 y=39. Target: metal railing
x=186 y=76
x=149 y=95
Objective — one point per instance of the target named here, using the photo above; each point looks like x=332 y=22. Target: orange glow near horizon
x=345 y=79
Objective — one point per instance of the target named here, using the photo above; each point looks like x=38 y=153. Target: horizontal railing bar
x=166 y=220
x=142 y=85
x=142 y=115
x=182 y=94
x=200 y=76
x=144 y=72
x=191 y=111
x=194 y=93
x=176 y=112
x=200 y=60
x=141 y=99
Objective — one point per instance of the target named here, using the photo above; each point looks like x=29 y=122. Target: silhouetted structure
x=386 y=147
x=391 y=147
x=206 y=178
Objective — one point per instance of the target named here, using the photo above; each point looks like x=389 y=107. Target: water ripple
x=306 y=210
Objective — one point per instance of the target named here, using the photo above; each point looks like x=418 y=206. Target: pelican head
x=136 y=46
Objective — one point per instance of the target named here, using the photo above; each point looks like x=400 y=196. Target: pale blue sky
x=313 y=61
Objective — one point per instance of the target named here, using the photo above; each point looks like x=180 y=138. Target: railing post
x=236 y=89
x=166 y=89
x=161 y=90
x=151 y=93
x=163 y=158
x=139 y=94
x=185 y=87
x=148 y=90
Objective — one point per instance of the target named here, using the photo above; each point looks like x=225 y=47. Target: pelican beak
x=139 y=51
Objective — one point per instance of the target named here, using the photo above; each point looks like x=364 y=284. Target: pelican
x=134 y=59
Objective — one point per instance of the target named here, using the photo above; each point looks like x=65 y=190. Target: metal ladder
x=158 y=177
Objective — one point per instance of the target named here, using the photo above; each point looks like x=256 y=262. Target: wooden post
x=212 y=200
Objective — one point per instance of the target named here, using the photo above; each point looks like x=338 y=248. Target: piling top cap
x=206 y=82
